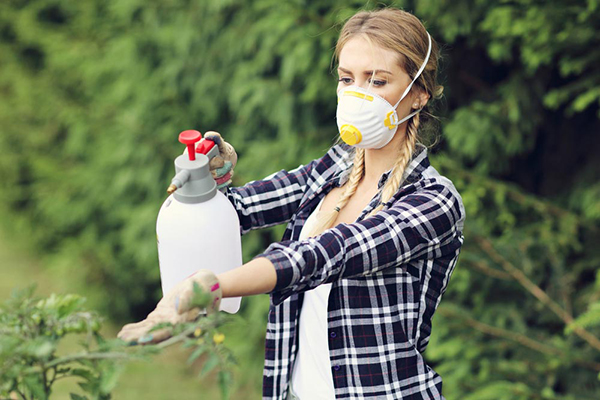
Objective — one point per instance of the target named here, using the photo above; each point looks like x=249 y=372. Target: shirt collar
x=419 y=162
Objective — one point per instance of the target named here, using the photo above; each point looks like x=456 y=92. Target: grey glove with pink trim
x=222 y=165
x=174 y=307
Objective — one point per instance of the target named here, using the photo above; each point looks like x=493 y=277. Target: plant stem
x=177 y=338
x=79 y=356
x=53 y=377
x=20 y=394
x=536 y=291
x=45 y=379
x=486 y=269
x=517 y=337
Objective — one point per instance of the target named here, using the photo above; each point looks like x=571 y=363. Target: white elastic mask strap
x=408 y=116
x=418 y=72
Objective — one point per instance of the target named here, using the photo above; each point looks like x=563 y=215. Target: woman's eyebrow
x=378 y=71
x=370 y=72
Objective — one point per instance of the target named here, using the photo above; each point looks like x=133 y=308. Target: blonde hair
x=402 y=32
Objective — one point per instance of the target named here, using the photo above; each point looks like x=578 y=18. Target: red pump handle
x=189 y=138
x=205 y=146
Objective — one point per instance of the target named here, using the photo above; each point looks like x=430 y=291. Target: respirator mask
x=367 y=120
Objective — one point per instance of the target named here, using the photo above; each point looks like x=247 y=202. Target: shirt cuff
x=287 y=274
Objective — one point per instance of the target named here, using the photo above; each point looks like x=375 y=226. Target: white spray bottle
x=197 y=226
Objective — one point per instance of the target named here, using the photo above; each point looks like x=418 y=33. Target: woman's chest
x=353 y=208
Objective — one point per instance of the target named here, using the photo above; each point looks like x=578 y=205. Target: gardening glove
x=175 y=308
x=222 y=165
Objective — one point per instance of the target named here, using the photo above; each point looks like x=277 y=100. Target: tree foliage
x=98 y=90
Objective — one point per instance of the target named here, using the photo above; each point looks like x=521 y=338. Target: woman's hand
x=175 y=308
x=222 y=165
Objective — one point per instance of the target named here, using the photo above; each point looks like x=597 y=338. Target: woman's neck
x=378 y=161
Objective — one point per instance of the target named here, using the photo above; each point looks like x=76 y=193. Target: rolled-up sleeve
x=426 y=223
x=270 y=201
x=274 y=199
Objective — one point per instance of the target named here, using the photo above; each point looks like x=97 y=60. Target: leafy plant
x=32 y=329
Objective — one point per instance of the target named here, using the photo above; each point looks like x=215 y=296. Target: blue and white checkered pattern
x=388 y=274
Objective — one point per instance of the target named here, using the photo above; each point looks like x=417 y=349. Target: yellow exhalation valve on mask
x=350 y=134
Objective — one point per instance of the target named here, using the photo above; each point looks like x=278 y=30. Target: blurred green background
x=93 y=94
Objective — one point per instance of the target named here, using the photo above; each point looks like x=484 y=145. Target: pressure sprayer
x=197 y=226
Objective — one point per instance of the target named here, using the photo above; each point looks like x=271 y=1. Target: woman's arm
x=274 y=199
x=426 y=223
x=255 y=277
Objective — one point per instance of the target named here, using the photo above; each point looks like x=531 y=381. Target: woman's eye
x=346 y=81
x=378 y=82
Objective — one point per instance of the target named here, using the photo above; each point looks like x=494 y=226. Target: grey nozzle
x=194 y=182
x=181 y=178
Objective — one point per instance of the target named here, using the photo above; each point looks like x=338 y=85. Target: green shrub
x=32 y=329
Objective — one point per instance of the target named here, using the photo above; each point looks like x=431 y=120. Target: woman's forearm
x=255 y=277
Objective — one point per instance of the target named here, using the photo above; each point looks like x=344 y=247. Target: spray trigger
x=205 y=146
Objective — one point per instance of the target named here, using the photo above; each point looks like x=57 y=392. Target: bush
x=32 y=329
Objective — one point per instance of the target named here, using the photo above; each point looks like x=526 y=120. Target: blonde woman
x=373 y=235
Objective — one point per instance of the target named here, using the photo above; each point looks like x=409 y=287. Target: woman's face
x=376 y=69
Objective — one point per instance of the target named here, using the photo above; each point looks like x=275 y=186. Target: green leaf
x=35 y=386
x=201 y=349
x=224 y=378
x=209 y=365
x=109 y=378
x=84 y=373
x=590 y=318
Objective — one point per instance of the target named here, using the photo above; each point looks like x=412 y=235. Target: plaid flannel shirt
x=388 y=273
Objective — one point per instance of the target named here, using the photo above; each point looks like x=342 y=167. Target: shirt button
x=336 y=367
x=332 y=334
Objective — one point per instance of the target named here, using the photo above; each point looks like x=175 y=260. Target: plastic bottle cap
x=189 y=138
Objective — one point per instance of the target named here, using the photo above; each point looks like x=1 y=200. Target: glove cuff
x=209 y=283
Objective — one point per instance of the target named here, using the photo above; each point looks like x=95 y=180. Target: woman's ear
x=421 y=100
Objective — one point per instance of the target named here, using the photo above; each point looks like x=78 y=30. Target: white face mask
x=366 y=119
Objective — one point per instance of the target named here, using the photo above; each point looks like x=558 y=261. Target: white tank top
x=312 y=378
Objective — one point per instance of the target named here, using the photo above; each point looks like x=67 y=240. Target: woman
x=373 y=236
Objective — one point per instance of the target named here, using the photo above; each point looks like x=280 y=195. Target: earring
x=416 y=105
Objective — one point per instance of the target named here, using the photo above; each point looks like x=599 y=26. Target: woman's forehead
x=360 y=55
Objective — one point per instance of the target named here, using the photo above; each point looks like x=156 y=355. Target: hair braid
x=408 y=147
x=326 y=219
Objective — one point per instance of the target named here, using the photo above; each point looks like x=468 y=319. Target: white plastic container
x=197 y=227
